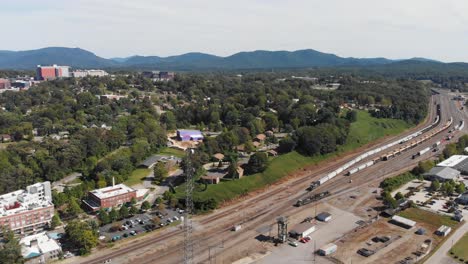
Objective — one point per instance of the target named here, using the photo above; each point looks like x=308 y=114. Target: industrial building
x=404 y=222
x=109 y=197
x=39 y=248
x=456 y=162
x=302 y=230
x=442 y=174
x=45 y=73
x=29 y=210
x=443 y=230
x=188 y=135
x=324 y=217
x=328 y=249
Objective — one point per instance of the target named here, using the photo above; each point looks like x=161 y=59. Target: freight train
x=386 y=156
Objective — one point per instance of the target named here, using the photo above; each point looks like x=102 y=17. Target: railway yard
x=349 y=185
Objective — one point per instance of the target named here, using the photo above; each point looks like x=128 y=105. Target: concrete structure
x=110 y=196
x=44 y=73
x=5 y=83
x=210 y=179
x=302 y=230
x=442 y=174
x=39 y=248
x=27 y=210
x=401 y=221
x=328 y=249
x=443 y=230
x=324 y=217
x=457 y=162
x=188 y=135
x=91 y=73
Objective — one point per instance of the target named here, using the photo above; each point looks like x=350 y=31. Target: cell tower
x=282 y=228
x=188 y=228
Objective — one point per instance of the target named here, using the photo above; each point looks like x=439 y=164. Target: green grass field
x=460 y=249
x=367 y=129
x=363 y=131
x=172 y=151
x=423 y=216
x=137 y=176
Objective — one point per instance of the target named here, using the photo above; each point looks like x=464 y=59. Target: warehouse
x=403 y=222
x=456 y=162
x=324 y=217
x=302 y=230
x=442 y=174
x=328 y=249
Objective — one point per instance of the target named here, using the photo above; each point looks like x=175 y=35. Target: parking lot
x=138 y=224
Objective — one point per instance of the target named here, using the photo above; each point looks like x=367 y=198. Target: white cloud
x=361 y=28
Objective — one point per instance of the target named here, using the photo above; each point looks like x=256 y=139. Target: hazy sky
x=395 y=29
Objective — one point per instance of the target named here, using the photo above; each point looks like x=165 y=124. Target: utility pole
x=188 y=228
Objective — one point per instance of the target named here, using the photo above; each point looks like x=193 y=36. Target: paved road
x=440 y=257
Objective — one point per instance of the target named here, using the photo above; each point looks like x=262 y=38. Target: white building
x=443 y=230
x=92 y=73
x=27 y=210
x=302 y=230
x=401 y=221
x=39 y=248
x=456 y=162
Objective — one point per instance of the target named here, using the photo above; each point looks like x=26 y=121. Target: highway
x=212 y=236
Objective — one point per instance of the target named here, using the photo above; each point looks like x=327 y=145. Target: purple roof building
x=188 y=135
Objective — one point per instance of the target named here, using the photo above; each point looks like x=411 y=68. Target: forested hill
x=194 y=61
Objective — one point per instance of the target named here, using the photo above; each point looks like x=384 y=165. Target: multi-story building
x=4 y=83
x=109 y=197
x=27 y=210
x=92 y=73
x=40 y=248
x=52 y=72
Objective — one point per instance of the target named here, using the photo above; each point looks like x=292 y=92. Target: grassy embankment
x=429 y=218
x=363 y=131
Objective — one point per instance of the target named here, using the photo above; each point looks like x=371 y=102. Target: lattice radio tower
x=188 y=228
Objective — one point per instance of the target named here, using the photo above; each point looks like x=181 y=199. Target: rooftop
x=111 y=191
x=30 y=249
x=444 y=173
x=35 y=196
x=452 y=161
x=403 y=220
x=302 y=227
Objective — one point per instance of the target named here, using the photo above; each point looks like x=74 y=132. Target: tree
x=10 y=251
x=448 y=188
x=156 y=220
x=389 y=200
x=145 y=206
x=113 y=214
x=74 y=208
x=435 y=185
x=258 y=162
x=287 y=145
x=161 y=206
x=123 y=211
x=160 y=172
x=55 y=221
x=133 y=201
x=461 y=188
x=351 y=116
x=133 y=210
x=81 y=235
x=399 y=196
x=104 y=217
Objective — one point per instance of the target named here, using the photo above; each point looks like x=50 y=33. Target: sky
x=397 y=29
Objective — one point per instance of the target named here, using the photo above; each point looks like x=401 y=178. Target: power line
x=188 y=228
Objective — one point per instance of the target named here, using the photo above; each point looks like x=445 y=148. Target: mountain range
x=260 y=59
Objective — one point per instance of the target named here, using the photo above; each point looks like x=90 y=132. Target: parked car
x=292 y=243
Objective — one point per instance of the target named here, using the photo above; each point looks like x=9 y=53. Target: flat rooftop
x=20 y=201
x=452 y=161
x=112 y=191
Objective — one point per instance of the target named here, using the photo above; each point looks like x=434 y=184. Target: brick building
x=25 y=211
x=110 y=196
x=4 y=84
x=44 y=73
